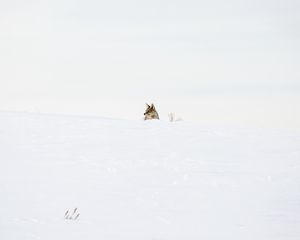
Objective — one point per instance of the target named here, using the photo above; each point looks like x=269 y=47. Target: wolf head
x=150 y=112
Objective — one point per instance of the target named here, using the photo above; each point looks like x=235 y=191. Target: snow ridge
x=145 y=180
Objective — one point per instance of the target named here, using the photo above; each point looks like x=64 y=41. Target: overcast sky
x=226 y=60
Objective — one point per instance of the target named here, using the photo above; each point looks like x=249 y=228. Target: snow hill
x=145 y=180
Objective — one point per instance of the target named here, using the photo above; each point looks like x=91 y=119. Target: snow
x=151 y=180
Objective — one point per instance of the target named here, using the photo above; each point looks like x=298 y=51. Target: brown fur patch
x=150 y=112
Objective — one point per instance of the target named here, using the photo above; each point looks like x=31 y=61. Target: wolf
x=150 y=112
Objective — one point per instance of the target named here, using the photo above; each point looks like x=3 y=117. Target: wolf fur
x=150 y=112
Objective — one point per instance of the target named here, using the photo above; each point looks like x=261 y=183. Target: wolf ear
x=152 y=106
x=148 y=106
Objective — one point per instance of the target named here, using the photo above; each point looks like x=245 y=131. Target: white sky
x=209 y=61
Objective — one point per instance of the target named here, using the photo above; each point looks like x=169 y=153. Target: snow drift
x=145 y=180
